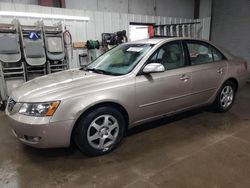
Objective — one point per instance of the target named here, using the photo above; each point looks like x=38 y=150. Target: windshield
x=120 y=60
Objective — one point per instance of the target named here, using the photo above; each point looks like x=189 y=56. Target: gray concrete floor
x=195 y=149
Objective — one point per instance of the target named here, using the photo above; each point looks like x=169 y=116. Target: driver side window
x=170 y=55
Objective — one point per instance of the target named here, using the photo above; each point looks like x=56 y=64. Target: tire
x=99 y=131
x=225 y=97
x=2 y=105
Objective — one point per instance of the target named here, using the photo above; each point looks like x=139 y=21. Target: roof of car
x=152 y=40
x=166 y=39
x=158 y=40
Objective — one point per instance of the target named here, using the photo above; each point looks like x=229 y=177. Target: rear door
x=208 y=69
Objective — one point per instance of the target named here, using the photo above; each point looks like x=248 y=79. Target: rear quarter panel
x=237 y=70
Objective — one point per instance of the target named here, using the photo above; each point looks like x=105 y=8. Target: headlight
x=39 y=109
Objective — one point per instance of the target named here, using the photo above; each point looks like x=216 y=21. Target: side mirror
x=153 y=68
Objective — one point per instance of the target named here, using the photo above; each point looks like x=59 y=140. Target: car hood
x=61 y=85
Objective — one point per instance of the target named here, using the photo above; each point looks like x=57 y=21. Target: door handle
x=220 y=70
x=184 y=78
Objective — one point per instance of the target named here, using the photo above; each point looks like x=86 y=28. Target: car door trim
x=173 y=98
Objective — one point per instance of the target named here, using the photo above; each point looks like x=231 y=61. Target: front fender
x=73 y=108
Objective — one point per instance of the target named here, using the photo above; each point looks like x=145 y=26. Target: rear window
x=201 y=52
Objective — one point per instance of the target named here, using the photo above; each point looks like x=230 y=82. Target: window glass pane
x=199 y=53
x=169 y=55
x=160 y=54
x=121 y=59
x=217 y=55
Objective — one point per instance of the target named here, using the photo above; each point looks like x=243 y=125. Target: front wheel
x=225 y=97
x=99 y=131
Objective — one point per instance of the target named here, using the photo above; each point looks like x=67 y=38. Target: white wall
x=170 y=8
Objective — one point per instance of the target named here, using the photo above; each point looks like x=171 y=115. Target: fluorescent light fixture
x=38 y=15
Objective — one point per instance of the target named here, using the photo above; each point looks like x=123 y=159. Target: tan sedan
x=129 y=85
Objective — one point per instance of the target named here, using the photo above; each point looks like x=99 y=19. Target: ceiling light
x=38 y=15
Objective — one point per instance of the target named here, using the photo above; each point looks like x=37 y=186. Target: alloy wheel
x=102 y=132
x=227 y=96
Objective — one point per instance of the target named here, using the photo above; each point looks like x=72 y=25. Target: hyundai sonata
x=129 y=85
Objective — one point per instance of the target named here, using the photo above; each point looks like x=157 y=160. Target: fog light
x=32 y=138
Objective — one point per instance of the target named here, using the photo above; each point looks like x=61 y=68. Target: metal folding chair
x=53 y=39
x=12 y=71
x=33 y=50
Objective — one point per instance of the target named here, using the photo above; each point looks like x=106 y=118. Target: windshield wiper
x=102 y=71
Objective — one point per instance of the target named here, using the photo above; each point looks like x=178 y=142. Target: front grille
x=11 y=104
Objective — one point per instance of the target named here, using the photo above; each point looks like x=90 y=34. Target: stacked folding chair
x=29 y=51
x=12 y=71
x=54 y=46
x=33 y=50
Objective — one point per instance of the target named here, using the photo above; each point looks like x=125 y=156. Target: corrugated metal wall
x=100 y=22
x=31 y=2
x=174 y=8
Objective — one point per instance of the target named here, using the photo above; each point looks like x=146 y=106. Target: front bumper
x=40 y=132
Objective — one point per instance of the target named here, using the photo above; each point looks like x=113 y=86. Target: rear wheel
x=225 y=97
x=99 y=131
x=2 y=105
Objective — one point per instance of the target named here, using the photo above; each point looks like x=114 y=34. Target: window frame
x=208 y=45
x=185 y=58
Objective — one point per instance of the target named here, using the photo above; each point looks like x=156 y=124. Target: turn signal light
x=52 y=108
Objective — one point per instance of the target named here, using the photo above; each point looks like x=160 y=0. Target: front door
x=161 y=93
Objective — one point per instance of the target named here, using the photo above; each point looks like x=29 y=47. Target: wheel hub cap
x=104 y=132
